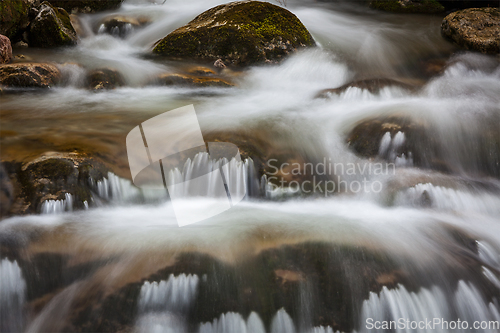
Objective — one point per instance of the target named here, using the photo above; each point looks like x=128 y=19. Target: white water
x=279 y=101
x=12 y=296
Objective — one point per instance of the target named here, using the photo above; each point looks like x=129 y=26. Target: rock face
x=52 y=27
x=408 y=6
x=240 y=33
x=29 y=75
x=14 y=17
x=86 y=6
x=5 y=50
x=104 y=78
x=475 y=29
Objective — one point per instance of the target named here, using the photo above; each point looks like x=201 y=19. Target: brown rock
x=51 y=28
x=29 y=75
x=5 y=50
x=193 y=81
x=104 y=78
x=475 y=29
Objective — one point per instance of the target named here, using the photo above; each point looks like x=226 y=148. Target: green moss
x=395 y=6
x=246 y=32
x=52 y=28
x=14 y=17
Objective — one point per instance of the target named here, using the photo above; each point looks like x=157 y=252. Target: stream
x=416 y=243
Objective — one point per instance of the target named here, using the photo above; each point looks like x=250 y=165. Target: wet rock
x=241 y=33
x=14 y=18
x=408 y=6
x=104 y=78
x=202 y=71
x=78 y=26
x=365 y=139
x=86 y=6
x=193 y=81
x=29 y=75
x=219 y=64
x=372 y=85
x=119 y=25
x=6 y=192
x=476 y=29
x=5 y=50
x=51 y=28
x=54 y=176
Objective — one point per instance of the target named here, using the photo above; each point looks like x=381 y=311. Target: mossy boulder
x=104 y=79
x=5 y=50
x=14 y=17
x=408 y=6
x=475 y=29
x=240 y=33
x=51 y=28
x=86 y=6
x=29 y=75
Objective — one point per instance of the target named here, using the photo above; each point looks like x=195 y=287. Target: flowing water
x=423 y=245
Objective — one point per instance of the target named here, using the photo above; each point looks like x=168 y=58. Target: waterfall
x=400 y=309
x=12 y=296
x=389 y=147
x=282 y=323
x=162 y=306
x=448 y=199
x=233 y=322
x=58 y=206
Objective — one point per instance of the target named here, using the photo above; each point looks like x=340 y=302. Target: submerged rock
x=408 y=6
x=193 y=81
x=104 y=78
x=86 y=6
x=475 y=29
x=415 y=140
x=55 y=176
x=52 y=27
x=14 y=17
x=241 y=33
x=29 y=75
x=5 y=50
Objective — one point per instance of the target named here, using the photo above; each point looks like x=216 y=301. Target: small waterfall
x=448 y=199
x=282 y=323
x=58 y=206
x=401 y=309
x=234 y=322
x=389 y=147
x=12 y=296
x=162 y=305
